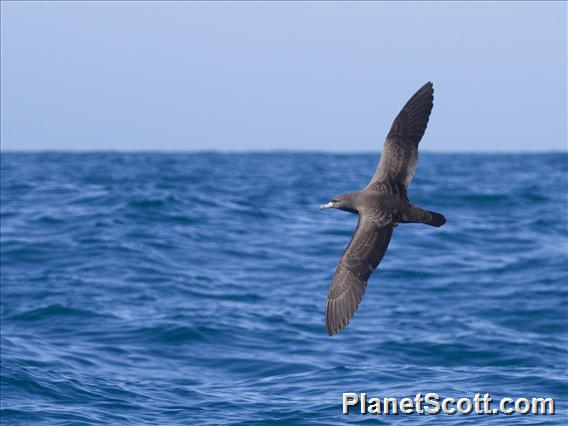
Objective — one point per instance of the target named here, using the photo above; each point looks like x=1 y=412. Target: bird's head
x=344 y=202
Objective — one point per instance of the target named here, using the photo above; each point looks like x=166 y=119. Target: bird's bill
x=326 y=206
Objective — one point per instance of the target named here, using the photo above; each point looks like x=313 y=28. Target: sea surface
x=152 y=288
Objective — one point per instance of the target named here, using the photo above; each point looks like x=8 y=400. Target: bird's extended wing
x=363 y=254
x=400 y=150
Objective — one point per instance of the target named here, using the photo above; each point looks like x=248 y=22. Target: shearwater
x=381 y=206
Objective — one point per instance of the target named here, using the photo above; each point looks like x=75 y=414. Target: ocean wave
x=190 y=288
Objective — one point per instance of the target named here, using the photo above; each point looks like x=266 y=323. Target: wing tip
x=425 y=92
x=334 y=321
x=330 y=318
x=426 y=89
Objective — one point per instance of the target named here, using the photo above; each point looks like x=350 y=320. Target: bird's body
x=381 y=206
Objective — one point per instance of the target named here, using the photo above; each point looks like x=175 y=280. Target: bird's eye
x=335 y=200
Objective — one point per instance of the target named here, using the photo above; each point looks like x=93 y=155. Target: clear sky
x=289 y=75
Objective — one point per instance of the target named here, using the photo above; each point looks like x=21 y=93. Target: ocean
x=157 y=288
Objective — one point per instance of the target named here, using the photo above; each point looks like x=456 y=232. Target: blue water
x=189 y=288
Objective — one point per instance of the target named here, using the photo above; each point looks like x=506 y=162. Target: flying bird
x=381 y=206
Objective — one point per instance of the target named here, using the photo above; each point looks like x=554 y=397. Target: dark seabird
x=381 y=206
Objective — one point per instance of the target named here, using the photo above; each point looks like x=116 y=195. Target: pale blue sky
x=261 y=76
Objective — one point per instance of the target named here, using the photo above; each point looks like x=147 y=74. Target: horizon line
x=263 y=151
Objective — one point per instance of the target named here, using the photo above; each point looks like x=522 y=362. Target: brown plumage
x=381 y=206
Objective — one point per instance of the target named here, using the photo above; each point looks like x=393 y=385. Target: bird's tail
x=414 y=214
x=436 y=220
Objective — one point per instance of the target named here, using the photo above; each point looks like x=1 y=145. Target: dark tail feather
x=414 y=214
x=437 y=219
